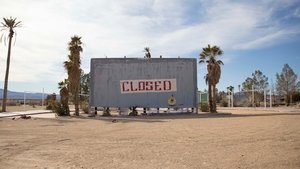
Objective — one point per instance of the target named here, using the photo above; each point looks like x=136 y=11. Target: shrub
x=204 y=107
x=33 y=105
x=50 y=105
x=85 y=109
x=10 y=103
x=84 y=106
x=133 y=111
x=59 y=109
x=106 y=112
x=224 y=103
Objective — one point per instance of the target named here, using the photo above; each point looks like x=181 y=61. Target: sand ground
x=248 y=138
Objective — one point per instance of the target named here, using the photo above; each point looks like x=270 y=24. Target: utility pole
x=271 y=98
x=265 y=98
x=252 y=96
x=43 y=98
x=231 y=98
x=24 y=99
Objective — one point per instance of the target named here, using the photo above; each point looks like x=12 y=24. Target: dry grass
x=24 y=108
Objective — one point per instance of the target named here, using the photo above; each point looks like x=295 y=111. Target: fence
x=252 y=98
x=202 y=97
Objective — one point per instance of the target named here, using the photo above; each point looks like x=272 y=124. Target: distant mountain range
x=20 y=95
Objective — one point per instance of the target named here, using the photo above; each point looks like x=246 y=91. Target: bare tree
x=258 y=82
x=286 y=83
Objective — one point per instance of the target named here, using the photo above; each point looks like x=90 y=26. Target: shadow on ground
x=162 y=117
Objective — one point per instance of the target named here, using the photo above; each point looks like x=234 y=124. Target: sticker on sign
x=148 y=85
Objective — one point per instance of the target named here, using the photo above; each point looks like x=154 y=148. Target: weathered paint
x=129 y=82
x=148 y=85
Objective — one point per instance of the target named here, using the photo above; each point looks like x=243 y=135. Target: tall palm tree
x=147 y=56
x=64 y=95
x=147 y=53
x=73 y=68
x=9 y=24
x=210 y=56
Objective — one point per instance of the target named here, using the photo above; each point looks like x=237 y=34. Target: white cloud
x=268 y=39
x=297 y=12
x=117 y=28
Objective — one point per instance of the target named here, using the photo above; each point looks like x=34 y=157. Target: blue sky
x=262 y=35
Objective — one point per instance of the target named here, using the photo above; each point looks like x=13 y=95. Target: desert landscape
x=233 y=138
x=114 y=84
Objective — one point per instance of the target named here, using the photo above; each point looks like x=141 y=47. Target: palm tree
x=73 y=68
x=68 y=65
x=64 y=95
x=209 y=55
x=147 y=53
x=230 y=88
x=8 y=24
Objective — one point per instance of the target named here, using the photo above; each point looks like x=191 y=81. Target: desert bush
x=50 y=101
x=59 y=109
x=50 y=105
x=84 y=105
x=224 y=103
x=133 y=111
x=106 y=112
x=85 y=109
x=204 y=107
x=11 y=104
x=32 y=104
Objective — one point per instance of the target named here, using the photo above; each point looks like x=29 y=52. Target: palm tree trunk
x=6 y=75
x=77 y=96
x=76 y=104
x=214 y=106
x=210 y=98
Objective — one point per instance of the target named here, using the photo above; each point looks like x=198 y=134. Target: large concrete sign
x=156 y=83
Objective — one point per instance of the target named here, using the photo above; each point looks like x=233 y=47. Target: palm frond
x=60 y=85
x=201 y=61
x=147 y=52
x=3 y=38
x=220 y=62
x=75 y=44
x=202 y=55
x=206 y=78
x=146 y=49
x=9 y=24
x=18 y=24
x=15 y=38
